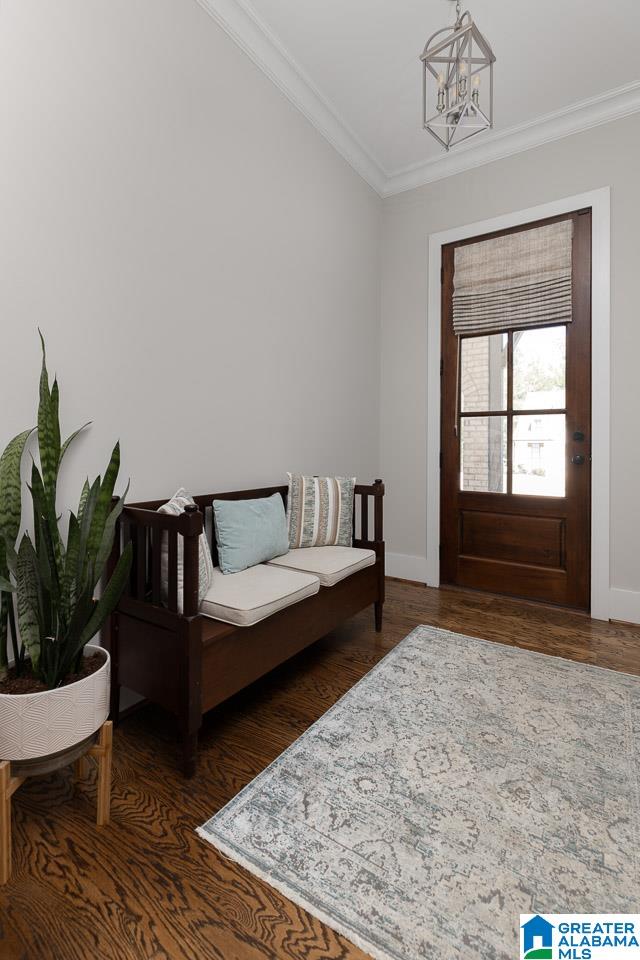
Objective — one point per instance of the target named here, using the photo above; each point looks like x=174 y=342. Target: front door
x=515 y=443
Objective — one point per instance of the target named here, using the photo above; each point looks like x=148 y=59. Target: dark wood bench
x=188 y=663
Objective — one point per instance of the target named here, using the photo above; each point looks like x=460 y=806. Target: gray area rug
x=458 y=784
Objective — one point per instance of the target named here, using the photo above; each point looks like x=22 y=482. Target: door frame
x=600 y=203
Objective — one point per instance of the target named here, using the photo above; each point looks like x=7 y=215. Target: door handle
x=578 y=460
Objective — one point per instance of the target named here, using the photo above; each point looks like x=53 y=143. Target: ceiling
x=358 y=62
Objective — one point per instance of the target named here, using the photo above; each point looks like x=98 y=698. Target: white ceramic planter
x=38 y=724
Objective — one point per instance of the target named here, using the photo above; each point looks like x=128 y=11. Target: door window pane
x=539 y=368
x=483 y=454
x=483 y=373
x=539 y=455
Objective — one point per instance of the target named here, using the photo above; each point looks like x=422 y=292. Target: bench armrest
x=363 y=513
x=150 y=531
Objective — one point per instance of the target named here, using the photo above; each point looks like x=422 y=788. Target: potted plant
x=56 y=693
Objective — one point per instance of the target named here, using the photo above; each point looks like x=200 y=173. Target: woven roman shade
x=518 y=280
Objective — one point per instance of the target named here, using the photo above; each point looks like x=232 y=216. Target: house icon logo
x=537 y=939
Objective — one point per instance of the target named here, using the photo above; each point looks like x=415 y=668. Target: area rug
x=458 y=784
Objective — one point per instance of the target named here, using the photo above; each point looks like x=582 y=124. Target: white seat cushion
x=252 y=595
x=329 y=564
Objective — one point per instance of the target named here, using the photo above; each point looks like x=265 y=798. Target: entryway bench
x=191 y=661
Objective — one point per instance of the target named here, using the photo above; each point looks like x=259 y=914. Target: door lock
x=578 y=460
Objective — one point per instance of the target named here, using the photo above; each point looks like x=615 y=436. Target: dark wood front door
x=516 y=452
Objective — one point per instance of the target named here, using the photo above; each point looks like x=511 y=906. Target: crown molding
x=612 y=105
x=238 y=19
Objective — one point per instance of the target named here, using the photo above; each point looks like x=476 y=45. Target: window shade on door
x=518 y=280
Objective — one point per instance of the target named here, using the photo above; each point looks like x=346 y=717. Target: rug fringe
x=296 y=898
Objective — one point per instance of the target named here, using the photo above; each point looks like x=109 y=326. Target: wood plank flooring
x=146 y=887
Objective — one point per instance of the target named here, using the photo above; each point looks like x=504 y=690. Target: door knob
x=578 y=460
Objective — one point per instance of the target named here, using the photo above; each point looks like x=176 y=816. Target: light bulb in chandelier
x=475 y=92
x=462 y=81
x=441 y=99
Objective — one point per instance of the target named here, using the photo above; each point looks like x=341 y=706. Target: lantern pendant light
x=457 y=93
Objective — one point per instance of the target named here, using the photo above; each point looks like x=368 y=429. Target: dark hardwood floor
x=147 y=886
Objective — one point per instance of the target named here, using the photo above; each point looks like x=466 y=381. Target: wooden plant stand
x=14 y=773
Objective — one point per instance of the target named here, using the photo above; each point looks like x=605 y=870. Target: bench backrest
x=145 y=528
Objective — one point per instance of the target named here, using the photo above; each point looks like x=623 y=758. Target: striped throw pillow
x=320 y=511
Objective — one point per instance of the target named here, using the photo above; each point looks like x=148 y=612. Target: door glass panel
x=483 y=373
x=483 y=454
x=539 y=455
x=539 y=368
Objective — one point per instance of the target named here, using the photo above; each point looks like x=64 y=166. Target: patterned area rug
x=458 y=784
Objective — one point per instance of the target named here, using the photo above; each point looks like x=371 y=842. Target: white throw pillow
x=175 y=506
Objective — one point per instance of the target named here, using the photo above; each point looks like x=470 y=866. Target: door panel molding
x=539 y=542
x=599 y=203
x=533 y=583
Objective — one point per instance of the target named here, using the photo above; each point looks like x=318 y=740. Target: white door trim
x=600 y=203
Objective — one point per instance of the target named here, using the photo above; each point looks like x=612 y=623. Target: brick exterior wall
x=483 y=373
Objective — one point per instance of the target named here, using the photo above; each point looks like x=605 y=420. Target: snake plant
x=10 y=512
x=54 y=576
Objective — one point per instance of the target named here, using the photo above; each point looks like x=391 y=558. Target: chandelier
x=453 y=61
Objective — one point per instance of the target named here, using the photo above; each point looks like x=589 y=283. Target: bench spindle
x=364 y=516
x=155 y=542
x=140 y=561
x=377 y=511
x=172 y=592
x=125 y=535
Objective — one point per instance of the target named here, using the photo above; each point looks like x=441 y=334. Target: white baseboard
x=624 y=605
x=406 y=567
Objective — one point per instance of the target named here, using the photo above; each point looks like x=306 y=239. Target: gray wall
x=606 y=155
x=204 y=266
